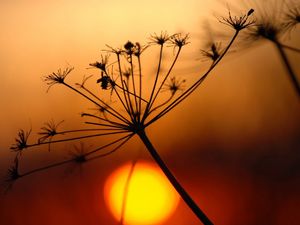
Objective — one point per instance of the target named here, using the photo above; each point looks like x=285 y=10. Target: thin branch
x=106 y=125
x=46 y=167
x=290 y=48
x=132 y=113
x=135 y=95
x=133 y=84
x=96 y=103
x=127 y=137
x=161 y=105
x=140 y=94
x=122 y=84
x=103 y=119
x=167 y=75
x=105 y=104
x=154 y=85
x=76 y=138
x=88 y=130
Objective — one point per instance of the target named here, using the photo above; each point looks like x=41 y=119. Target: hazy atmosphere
x=233 y=144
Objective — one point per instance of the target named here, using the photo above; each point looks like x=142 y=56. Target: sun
x=150 y=199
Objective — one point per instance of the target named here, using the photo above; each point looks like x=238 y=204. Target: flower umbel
x=213 y=53
x=11 y=176
x=21 y=141
x=79 y=154
x=160 y=39
x=49 y=131
x=174 y=85
x=238 y=22
x=102 y=64
x=13 y=171
x=57 y=77
x=106 y=82
x=265 y=29
x=179 y=40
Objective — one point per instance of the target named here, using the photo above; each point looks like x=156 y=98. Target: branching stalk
x=181 y=191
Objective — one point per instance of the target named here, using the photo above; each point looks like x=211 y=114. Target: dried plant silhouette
x=127 y=102
x=275 y=23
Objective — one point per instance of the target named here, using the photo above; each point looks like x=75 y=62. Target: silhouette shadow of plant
x=141 y=103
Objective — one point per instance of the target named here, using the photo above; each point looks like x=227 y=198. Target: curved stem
x=75 y=138
x=181 y=191
x=123 y=139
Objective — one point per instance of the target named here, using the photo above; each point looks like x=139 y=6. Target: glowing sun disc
x=150 y=199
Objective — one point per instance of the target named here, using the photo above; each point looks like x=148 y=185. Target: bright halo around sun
x=150 y=199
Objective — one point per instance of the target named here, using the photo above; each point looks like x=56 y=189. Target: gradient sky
x=239 y=133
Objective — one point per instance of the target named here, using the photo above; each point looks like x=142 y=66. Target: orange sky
x=239 y=132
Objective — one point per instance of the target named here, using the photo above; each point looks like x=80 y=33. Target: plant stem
x=290 y=48
x=286 y=62
x=181 y=191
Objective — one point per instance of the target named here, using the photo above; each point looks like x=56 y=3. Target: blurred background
x=239 y=133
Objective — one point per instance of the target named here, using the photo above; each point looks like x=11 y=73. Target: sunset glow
x=150 y=198
x=101 y=99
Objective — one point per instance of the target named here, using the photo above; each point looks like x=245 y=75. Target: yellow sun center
x=150 y=197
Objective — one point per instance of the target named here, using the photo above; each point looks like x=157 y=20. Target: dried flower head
x=160 y=39
x=238 y=22
x=57 y=77
x=49 y=131
x=21 y=141
x=179 y=40
x=79 y=154
x=102 y=65
x=129 y=47
x=84 y=80
x=270 y=26
x=174 y=85
x=213 y=53
x=265 y=28
x=133 y=49
x=11 y=176
x=268 y=21
x=106 y=82
x=13 y=171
